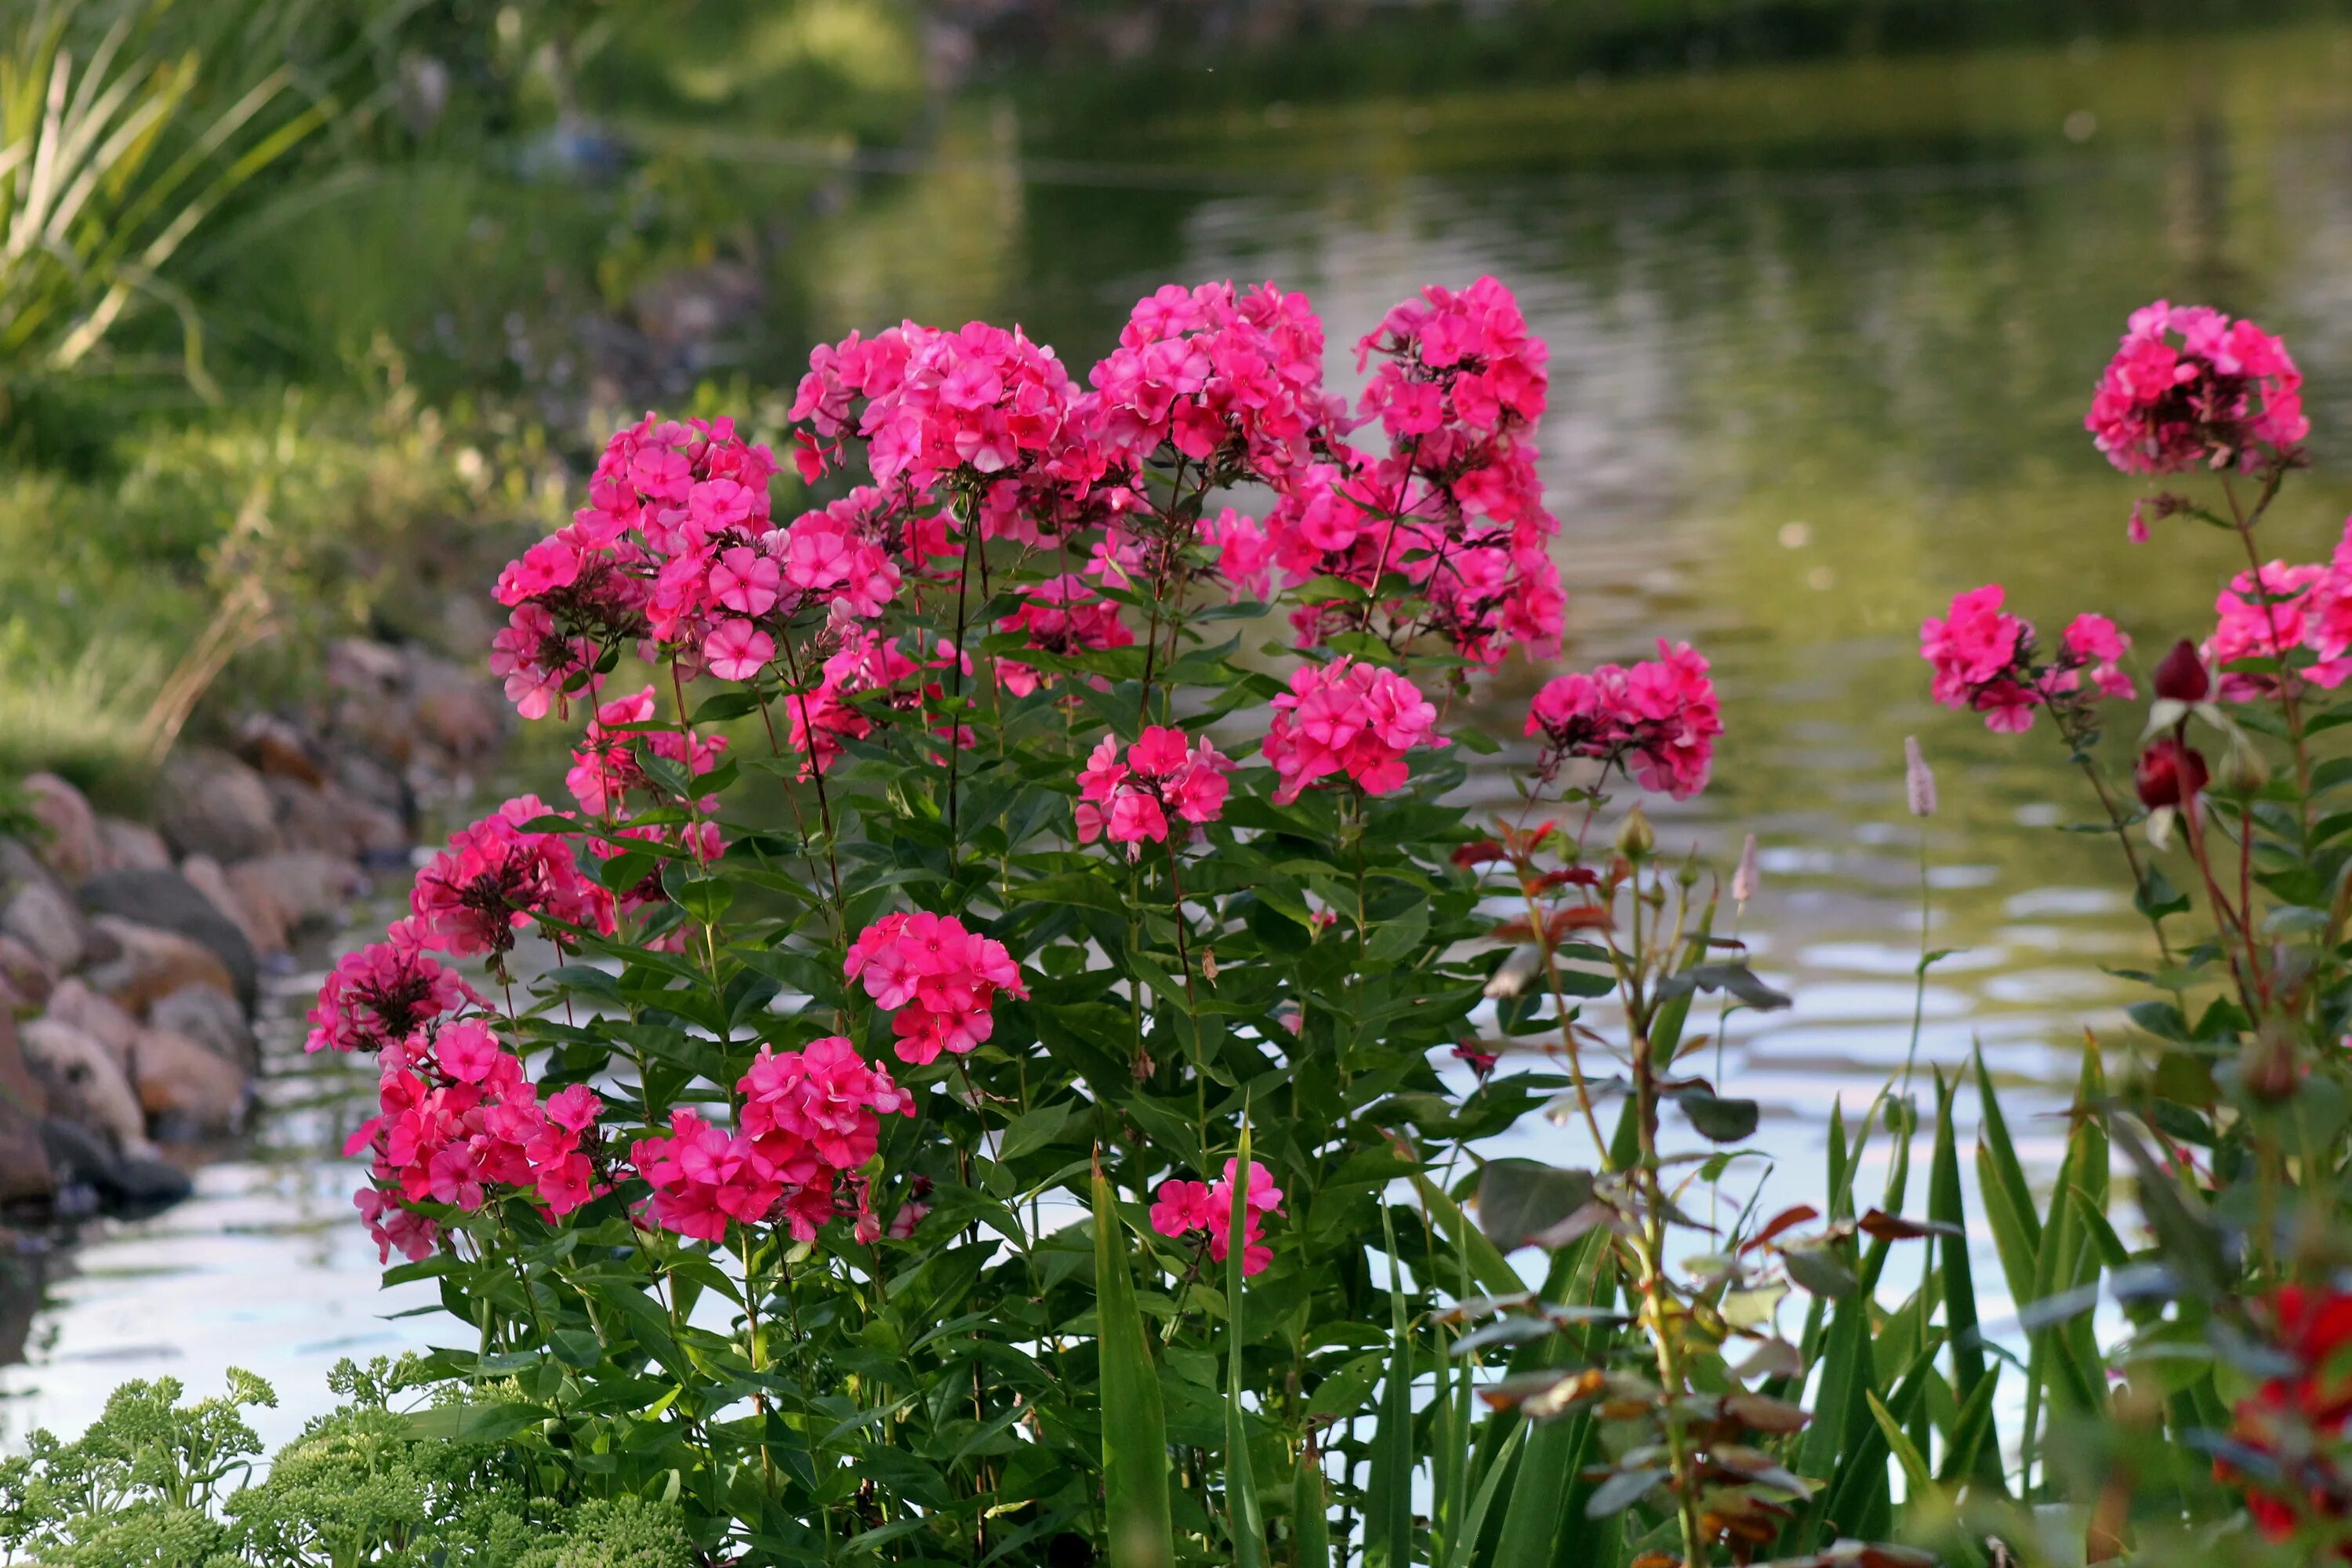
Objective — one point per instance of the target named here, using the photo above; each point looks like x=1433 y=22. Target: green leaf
x=1134 y=1426
x=1035 y=1129
x=1247 y=1526
x=1723 y=1120
x=1391 y=939
x=1519 y=1199
x=1388 y=1509
x=1623 y=1490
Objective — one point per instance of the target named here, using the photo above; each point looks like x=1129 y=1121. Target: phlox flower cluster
x=674 y=550
x=2296 y=1419
x=496 y=876
x=2189 y=388
x=882 y=677
x=1065 y=616
x=604 y=765
x=1165 y=773
x=941 y=980
x=1656 y=719
x=1984 y=661
x=2282 y=611
x=1347 y=717
x=1226 y=378
x=458 y=1121
x=932 y=405
x=380 y=994
x=1453 y=507
x=1198 y=1209
x=809 y=1115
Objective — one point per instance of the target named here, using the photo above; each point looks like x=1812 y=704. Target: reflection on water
x=1795 y=407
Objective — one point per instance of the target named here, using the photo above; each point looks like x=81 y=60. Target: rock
x=365 y=668
x=131 y=847
x=300 y=890
x=28 y=978
x=101 y=1019
x=279 y=750
x=331 y=821
x=154 y=963
x=132 y=1184
x=38 y=914
x=166 y=900
x=82 y=1084
x=212 y=804
x=186 y=1088
x=369 y=781
x=25 y=1175
x=211 y=1018
x=72 y=849
x=453 y=710
x=205 y=875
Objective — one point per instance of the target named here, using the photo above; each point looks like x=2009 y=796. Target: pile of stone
x=131 y=955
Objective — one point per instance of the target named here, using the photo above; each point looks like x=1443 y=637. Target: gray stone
x=99 y=1017
x=150 y=962
x=71 y=847
x=38 y=914
x=83 y=1085
x=27 y=976
x=187 y=1089
x=25 y=1175
x=123 y=1184
x=302 y=890
x=211 y=1018
x=165 y=900
x=205 y=875
x=212 y=804
x=131 y=847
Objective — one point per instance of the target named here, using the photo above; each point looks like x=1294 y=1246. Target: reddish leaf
x=1886 y=1227
x=1787 y=1219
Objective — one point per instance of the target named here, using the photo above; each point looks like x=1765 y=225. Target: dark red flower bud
x=2181 y=677
x=2169 y=773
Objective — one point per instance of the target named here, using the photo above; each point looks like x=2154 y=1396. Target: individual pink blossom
x=1657 y=719
x=1190 y=1209
x=1166 y=772
x=1347 y=717
x=737 y=650
x=941 y=980
x=382 y=994
x=495 y=877
x=2190 y=388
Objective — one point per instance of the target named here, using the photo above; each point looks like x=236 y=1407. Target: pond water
x=1820 y=341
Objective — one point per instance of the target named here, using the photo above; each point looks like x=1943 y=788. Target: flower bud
x=1743 y=880
x=2243 y=769
x=2182 y=677
x=2170 y=774
x=2267 y=1065
x=1635 y=837
x=1918 y=779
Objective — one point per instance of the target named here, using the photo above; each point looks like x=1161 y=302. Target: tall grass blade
x=1134 y=1425
x=1947 y=1205
x=1387 y=1511
x=1244 y=1520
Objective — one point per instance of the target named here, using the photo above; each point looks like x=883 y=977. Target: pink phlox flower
x=1347 y=717
x=940 y=979
x=495 y=878
x=382 y=994
x=2189 y=388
